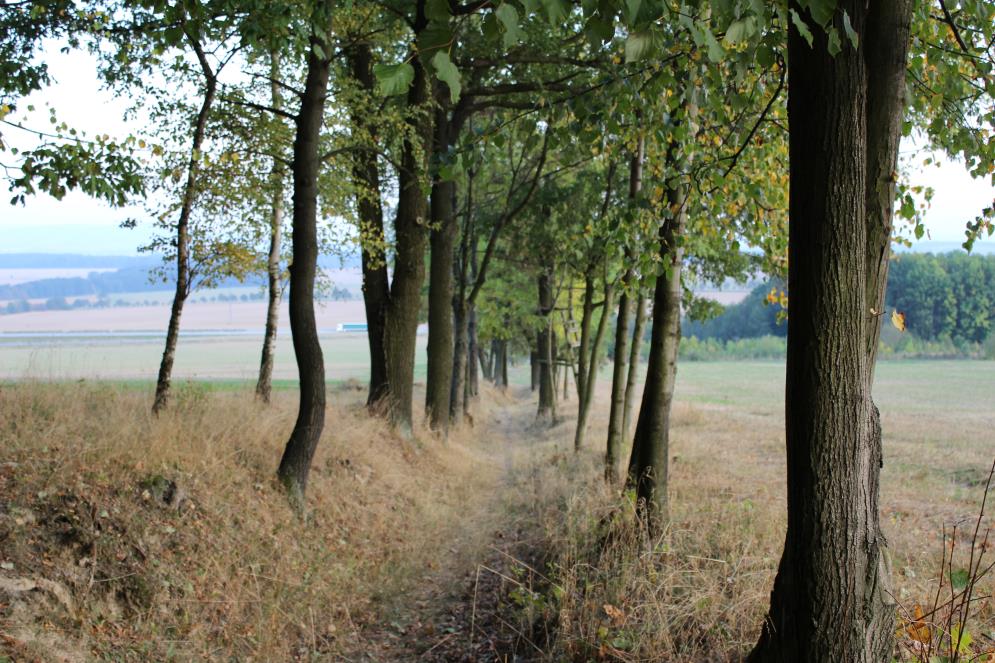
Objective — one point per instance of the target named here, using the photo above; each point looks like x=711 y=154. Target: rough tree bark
x=264 y=385
x=439 y=380
x=616 y=414
x=410 y=233
x=366 y=176
x=831 y=599
x=296 y=461
x=648 y=464
x=182 y=291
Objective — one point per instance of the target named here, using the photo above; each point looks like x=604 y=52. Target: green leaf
x=393 y=79
x=961 y=639
x=801 y=26
x=637 y=46
x=508 y=16
x=850 y=32
x=821 y=10
x=959 y=578
x=740 y=31
x=835 y=45
x=556 y=11
x=598 y=30
x=632 y=8
x=437 y=10
x=715 y=50
x=448 y=73
x=433 y=37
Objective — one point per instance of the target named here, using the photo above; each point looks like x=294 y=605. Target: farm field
x=196 y=316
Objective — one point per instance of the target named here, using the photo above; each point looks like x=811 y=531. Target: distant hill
x=129 y=274
x=72 y=261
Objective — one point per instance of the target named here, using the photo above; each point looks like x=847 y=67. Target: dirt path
x=469 y=608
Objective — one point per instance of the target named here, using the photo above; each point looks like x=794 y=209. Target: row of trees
x=558 y=163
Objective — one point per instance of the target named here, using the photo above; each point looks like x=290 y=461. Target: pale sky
x=79 y=224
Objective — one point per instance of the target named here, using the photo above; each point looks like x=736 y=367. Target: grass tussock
x=169 y=539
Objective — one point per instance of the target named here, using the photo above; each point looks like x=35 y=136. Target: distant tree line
x=945 y=297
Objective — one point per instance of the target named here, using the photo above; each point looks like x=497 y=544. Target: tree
x=295 y=464
x=274 y=271
x=830 y=600
x=58 y=158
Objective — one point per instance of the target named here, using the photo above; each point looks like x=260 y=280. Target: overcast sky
x=78 y=224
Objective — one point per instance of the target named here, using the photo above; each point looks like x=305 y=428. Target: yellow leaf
x=898 y=320
x=616 y=615
x=918 y=629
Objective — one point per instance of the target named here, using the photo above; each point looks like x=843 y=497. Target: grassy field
x=228 y=358
x=401 y=558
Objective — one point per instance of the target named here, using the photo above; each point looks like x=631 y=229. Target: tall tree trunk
x=464 y=380
x=648 y=464
x=366 y=176
x=831 y=599
x=544 y=345
x=296 y=462
x=634 y=358
x=504 y=363
x=534 y=369
x=473 y=349
x=458 y=384
x=264 y=385
x=586 y=316
x=885 y=52
x=182 y=291
x=587 y=397
x=439 y=382
x=410 y=231
x=616 y=414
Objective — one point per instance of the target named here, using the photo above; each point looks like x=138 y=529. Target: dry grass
x=700 y=592
x=227 y=572
x=399 y=531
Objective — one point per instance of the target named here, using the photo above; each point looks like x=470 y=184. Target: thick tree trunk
x=831 y=599
x=544 y=346
x=366 y=176
x=648 y=464
x=264 y=385
x=439 y=382
x=296 y=462
x=182 y=291
x=411 y=233
x=634 y=358
x=616 y=414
